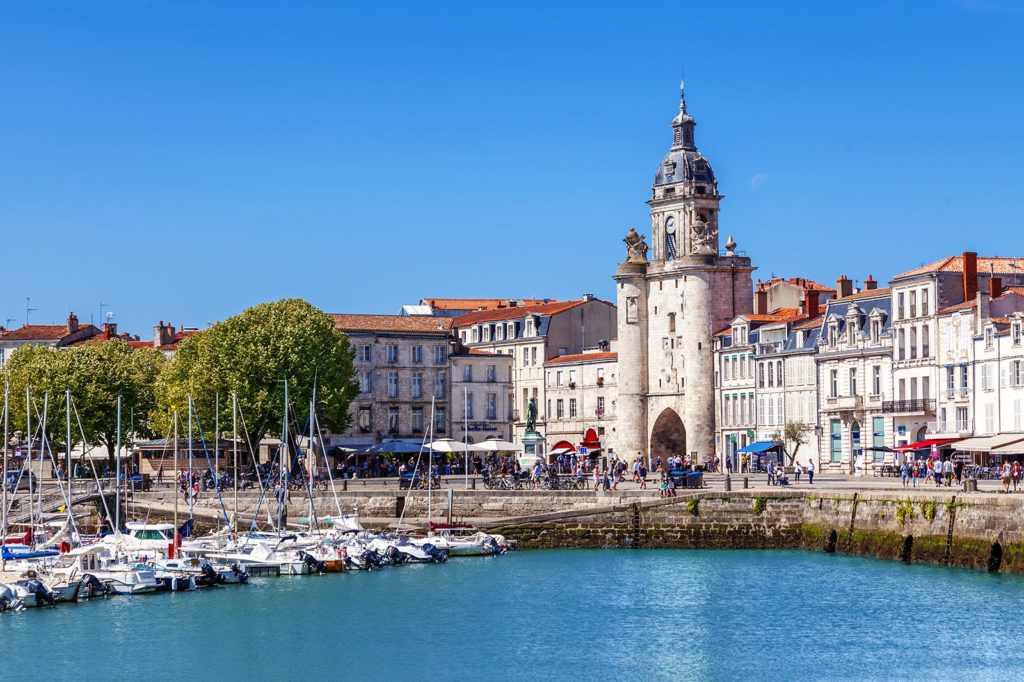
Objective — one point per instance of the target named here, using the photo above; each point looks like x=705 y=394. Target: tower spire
x=682 y=91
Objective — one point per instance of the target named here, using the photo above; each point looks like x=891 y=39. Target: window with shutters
x=417 y=354
x=392 y=384
x=925 y=342
x=417 y=384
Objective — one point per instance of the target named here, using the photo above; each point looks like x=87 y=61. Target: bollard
x=728 y=482
x=746 y=482
x=472 y=483
x=344 y=484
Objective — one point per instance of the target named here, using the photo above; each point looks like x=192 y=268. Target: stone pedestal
x=533 y=449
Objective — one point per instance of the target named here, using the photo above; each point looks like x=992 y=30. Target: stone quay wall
x=984 y=532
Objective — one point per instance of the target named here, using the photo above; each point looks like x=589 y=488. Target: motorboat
x=100 y=562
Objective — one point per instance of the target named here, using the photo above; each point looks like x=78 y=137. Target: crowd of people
x=938 y=472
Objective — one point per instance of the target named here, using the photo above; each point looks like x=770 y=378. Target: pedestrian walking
x=796 y=472
x=810 y=472
x=1005 y=476
x=905 y=474
x=1015 y=473
x=771 y=473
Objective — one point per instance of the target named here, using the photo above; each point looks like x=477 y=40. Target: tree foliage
x=96 y=374
x=250 y=355
x=797 y=433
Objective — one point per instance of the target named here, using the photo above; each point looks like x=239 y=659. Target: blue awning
x=760 y=446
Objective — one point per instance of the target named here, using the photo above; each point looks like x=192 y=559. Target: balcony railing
x=844 y=402
x=905 y=406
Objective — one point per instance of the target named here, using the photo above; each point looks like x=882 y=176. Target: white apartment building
x=580 y=395
x=854 y=367
x=481 y=396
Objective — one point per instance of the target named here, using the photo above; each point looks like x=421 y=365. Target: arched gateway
x=668 y=437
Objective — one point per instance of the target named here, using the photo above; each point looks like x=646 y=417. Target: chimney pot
x=995 y=287
x=844 y=287
x=970 y=280
x=72 y=323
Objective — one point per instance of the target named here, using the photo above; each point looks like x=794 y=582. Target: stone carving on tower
x=703 y=236
x=636 y=247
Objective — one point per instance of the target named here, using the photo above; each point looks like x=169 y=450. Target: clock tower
x=671 y=306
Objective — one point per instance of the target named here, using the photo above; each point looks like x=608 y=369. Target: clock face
x=670 y=226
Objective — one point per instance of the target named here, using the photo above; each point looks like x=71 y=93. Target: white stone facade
x=670 y=306
x=481 y=396
x=581 y=394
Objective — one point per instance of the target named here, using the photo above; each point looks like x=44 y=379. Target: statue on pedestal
x=531 y=416
x=636 y=247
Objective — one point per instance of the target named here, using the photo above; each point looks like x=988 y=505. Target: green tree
x=250 y=355
x=96 y=374
x=797 y=433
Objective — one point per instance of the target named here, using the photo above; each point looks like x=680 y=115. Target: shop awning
x=1014 y=446
x=988 y=443
x=760 y=446
x=925 y=444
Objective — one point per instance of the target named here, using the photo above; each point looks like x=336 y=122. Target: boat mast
x=7 y=423
x=42 y=446
x=234 y=430
x=430 y=467
x=117 y=472
x=177 y=483
x=465 y=430
x=283 y=481
x=28 y=465
x=67 y=454
x=216 y=443
x=311 y=457
x=190 y=484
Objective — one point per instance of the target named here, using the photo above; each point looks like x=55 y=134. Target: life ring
x=342 y=554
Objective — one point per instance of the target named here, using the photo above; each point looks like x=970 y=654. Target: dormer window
x=876 y=330
x=833 y=334
x=1016 y=333
x=851 y=334
x=989 y=338
x=529 y=327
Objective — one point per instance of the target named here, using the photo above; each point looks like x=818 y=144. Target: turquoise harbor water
x=600 y=615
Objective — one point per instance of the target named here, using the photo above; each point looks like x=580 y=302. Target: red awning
x=926 y=444
x=562 y=446
x=590 y=440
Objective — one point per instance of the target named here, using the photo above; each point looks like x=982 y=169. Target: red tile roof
x=811 y=323
x=800 y=282
x=45 y=332
x=583 y=357
x=966 y=305
x=867 y=293
x=986 y=265
x=479 y=303
x=513 y=313
x=419 y=324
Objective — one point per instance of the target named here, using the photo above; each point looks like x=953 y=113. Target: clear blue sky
x=183 y=159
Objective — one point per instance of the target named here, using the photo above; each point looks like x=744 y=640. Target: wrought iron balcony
x=908 y=406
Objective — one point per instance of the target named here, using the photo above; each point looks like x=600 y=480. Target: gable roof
x=47 y=332
x=392 y=323
x=583 y=357
x=481 y=303
x=955 y=264
x=554 y=308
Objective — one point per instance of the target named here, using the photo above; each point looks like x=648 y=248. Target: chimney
x=870 y=284
x=995 y=287
x=844 y=287
x=109 y=330
x=163 y=334
x=970 y=275
x=760 y=300
x=982 y=311
x=72 y=323
x=811 y=303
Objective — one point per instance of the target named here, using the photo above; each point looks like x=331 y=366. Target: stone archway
x=668 y=437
